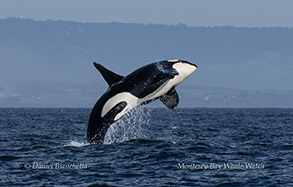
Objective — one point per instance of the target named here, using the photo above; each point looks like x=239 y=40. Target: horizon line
x=146 y=24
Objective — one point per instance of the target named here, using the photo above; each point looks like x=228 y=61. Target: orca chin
x=146 y=84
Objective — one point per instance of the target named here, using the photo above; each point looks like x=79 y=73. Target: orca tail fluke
x=109 y=76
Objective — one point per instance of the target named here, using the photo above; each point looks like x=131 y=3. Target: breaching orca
x=148 y=83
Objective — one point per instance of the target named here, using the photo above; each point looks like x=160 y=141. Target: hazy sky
x=248 y=13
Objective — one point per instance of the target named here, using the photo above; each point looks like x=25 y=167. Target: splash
x=73 y=143
x=133 y=125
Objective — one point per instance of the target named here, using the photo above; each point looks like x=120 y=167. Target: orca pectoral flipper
x=110 y=77
x=170 y=99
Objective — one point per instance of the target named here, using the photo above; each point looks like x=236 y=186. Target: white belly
x=133 y=101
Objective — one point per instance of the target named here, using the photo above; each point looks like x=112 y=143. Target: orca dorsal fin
x=170 y=99
x=109 y=76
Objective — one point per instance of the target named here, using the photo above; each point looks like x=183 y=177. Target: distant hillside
x=46 y=94
x=62 y=52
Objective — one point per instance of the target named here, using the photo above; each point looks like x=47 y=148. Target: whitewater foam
x=74 y=143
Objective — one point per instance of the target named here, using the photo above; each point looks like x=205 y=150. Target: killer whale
x=146 y=84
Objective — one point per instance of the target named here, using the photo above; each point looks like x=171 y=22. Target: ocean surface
x=149 y=147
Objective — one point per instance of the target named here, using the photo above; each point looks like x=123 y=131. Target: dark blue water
x=150 y=147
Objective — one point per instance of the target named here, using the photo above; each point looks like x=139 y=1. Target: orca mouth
x=183 y=61
x=193 y=65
